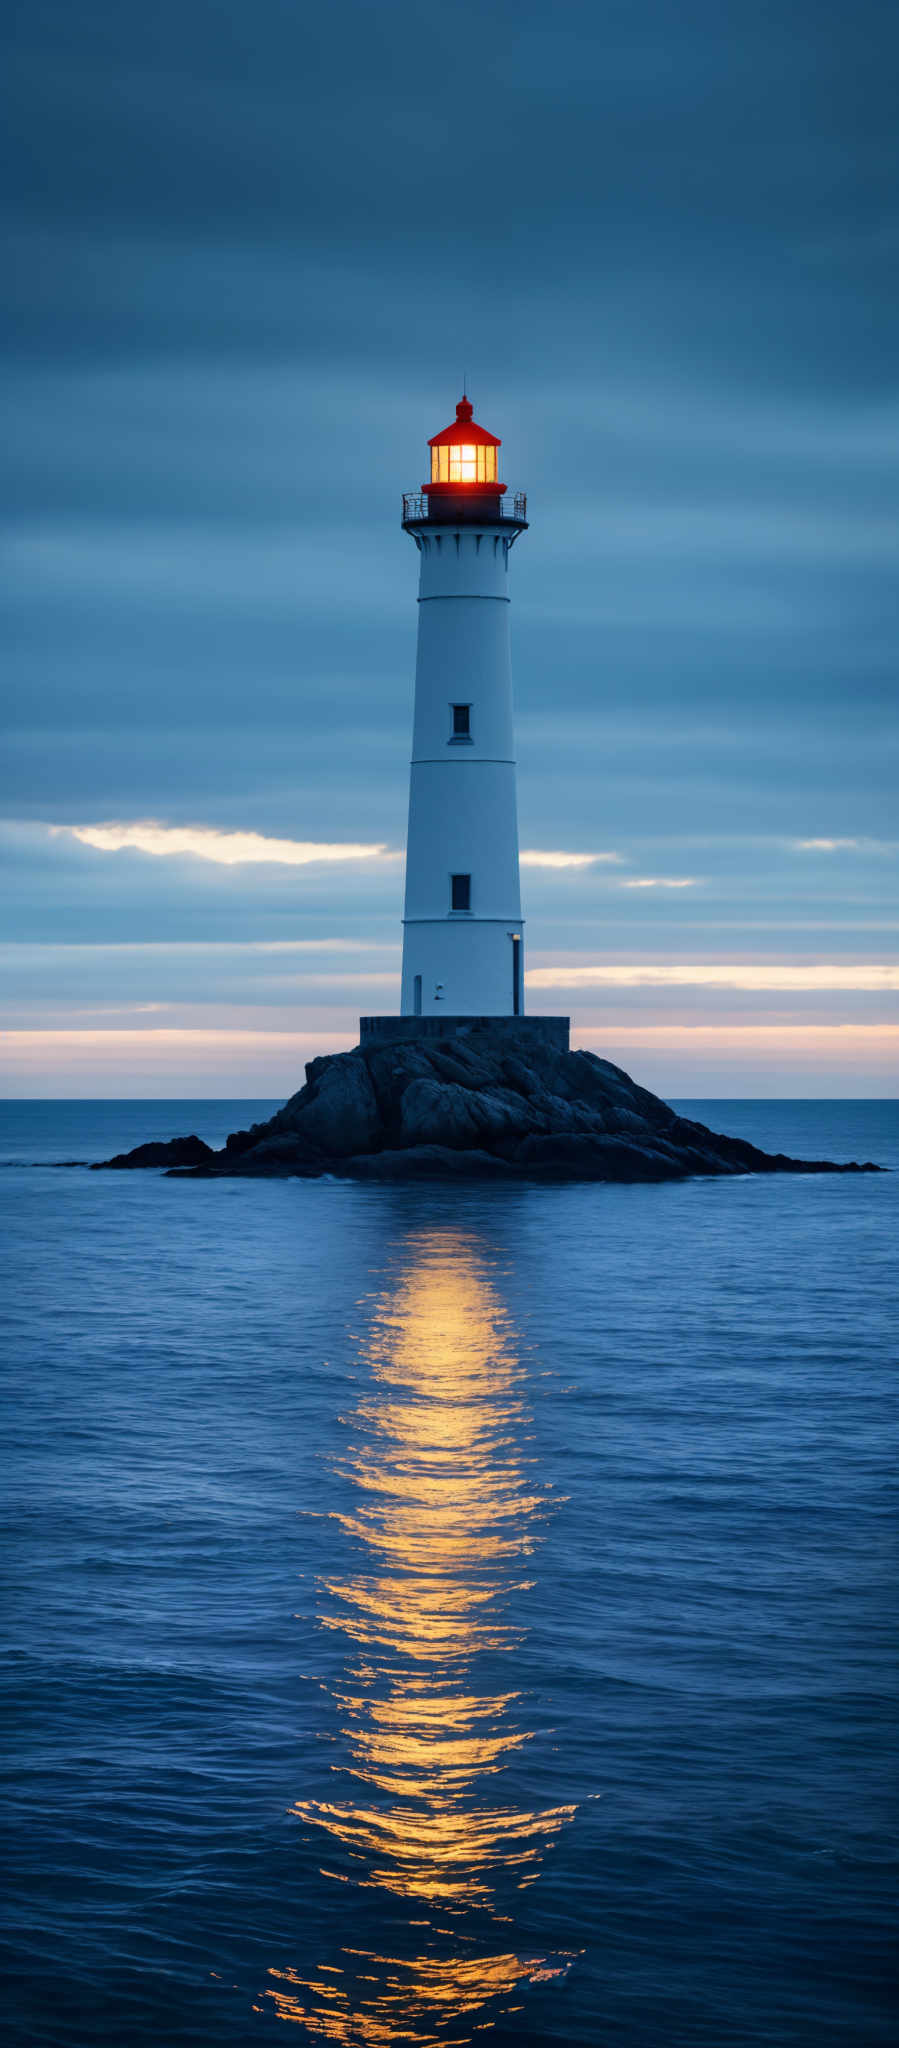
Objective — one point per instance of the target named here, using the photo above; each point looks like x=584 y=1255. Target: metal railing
x=513 y=507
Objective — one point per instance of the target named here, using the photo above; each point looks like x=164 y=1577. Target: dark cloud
x=253 y=252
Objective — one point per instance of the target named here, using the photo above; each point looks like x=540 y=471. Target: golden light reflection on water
x=444 y=1508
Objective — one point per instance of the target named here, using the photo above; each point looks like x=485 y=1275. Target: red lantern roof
x=464 y=428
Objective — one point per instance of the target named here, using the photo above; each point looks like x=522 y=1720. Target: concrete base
x=523 y=1031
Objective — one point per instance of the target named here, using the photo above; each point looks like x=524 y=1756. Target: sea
x=447 y=1615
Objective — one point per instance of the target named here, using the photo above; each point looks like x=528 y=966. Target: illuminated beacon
x=463 y=940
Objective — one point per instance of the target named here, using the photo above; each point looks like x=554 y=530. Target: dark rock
x=337 y=1111
x=239 y=1142
x=481 y=1105
x=287 y=1149
x=173 y=1152
x=588 y=1157
x=427 y=1162
x=438 y=1113
x=443 y=1113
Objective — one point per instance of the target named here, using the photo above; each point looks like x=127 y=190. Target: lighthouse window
x=463 y=462
x=461 y=892
x=461 y=721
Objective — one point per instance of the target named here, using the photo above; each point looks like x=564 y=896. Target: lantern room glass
x=463 y=462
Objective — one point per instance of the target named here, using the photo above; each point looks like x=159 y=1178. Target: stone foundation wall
x=520 y=1031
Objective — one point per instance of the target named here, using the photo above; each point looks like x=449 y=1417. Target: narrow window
x=461 y=892
x=461 y=721
x=516 y=974
x=417 y=995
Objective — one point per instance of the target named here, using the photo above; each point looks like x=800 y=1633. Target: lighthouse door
x=516 y=975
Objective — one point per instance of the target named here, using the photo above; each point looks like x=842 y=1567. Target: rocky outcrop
x=477 y=1105
x=169 y=1152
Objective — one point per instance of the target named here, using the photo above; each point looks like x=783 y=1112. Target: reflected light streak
x=444 y=1509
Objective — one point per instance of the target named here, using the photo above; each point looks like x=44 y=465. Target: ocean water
x=445 y=1615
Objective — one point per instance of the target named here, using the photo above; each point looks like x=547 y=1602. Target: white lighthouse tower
x=463 y=941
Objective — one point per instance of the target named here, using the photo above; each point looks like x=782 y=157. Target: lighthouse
x=463 y=937
x=462 y=931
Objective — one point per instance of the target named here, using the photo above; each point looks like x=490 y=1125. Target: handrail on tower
x=416 y=507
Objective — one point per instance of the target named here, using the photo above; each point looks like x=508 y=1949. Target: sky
x=251 y=254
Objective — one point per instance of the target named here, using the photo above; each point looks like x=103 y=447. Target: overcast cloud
x=253 y=250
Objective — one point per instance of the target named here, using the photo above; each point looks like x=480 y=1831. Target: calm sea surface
x=444 y=1616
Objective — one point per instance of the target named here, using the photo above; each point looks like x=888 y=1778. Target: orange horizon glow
x=171 y=1060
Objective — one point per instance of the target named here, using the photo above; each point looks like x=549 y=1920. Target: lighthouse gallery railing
x=415 y=506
